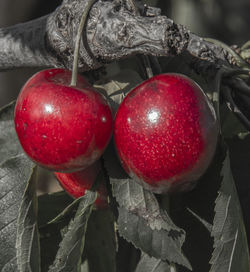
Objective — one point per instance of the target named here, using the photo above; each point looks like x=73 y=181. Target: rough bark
x=113 y=31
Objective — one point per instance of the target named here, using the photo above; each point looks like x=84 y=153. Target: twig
x=227 y=93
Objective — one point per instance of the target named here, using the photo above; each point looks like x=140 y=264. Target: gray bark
x=23 y=45
x=113 y=31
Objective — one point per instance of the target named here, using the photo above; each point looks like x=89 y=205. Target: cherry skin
x=76 y=184
x=61 y=127
x=165 y=133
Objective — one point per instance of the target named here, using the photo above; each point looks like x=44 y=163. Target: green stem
x=240 y=61
x=147 y=66
x=223 y=73
x=246 y=45
x=173 y=267
x=78 y=40
x=216 y=94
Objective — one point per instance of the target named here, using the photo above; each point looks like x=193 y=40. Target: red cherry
x=61 y=127
x=166 y=133
x=76 y=184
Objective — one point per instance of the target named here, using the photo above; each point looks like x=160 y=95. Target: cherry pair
x=165 y=130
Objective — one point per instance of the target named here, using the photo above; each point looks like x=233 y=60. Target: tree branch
x=112 y=32
x=23 y=45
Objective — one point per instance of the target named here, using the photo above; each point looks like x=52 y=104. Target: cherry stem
x=78 y=41
x=147 y=66
x=245 y=45
x=173 y=267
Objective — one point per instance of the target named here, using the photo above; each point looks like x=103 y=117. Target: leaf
x=239 y=151
x=15 y=171
x=68 y=257
x=149 y=264
x=54 y=223
x=141 y=221
x=9 y=144
x=207 y=225
x=132 y=254
x=230 y=124
x=27 y=242
x=230 y=242
x=101 y=244
x=50 y=205
x=66 y=212
x=117 y=86
x=50 y=238
x=13 y=176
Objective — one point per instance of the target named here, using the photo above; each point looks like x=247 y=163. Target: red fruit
x=76 y=184
x=61 y=127
x=166 y=133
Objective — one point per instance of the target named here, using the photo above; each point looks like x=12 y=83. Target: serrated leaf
x=27 y=242
x=56 y=210
x=13 y=176
x=15 y=171
x=230 y=242
x=159 y=243
x=50 y=206
x=141 y=221
x=206 y=224
x=101 y=242
x=149 y=264
x=68 y=257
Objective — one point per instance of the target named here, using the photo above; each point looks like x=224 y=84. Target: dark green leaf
x=231 y=125
x=54 y=223
x=239 y=151
x=15 y=171
x=66 y=212
x=100 y=248
x=51 y=205
x=132 y=254
x=27 y=243
x=141 y=221
x=230 y=242
x=50 y=238
x=68 y=257
x=149 y=264
x=207 y=225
